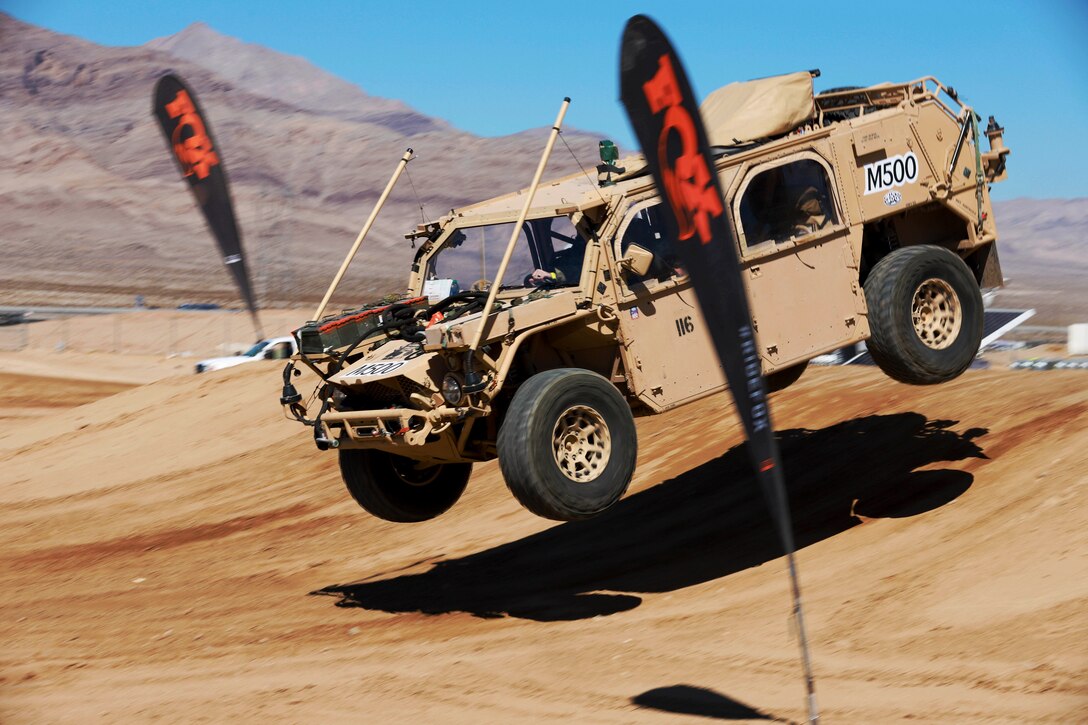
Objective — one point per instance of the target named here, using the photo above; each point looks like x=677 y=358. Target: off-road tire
x=917 y=292
x=392 y=488
x=552 y=414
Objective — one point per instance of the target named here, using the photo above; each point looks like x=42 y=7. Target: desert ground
x=173 y=549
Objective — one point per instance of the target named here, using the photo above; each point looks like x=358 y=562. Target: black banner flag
x=664 y=114
x=189 y=138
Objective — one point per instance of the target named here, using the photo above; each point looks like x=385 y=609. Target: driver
x=567 y=268
x=544 y=278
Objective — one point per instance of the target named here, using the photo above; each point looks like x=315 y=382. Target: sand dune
x=179 y=551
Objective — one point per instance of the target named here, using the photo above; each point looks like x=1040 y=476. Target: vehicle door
x=667 y=350
x=798 y=263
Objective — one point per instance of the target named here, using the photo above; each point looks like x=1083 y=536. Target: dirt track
x=160 y=565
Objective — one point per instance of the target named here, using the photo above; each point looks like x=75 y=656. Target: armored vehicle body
x=861 y=214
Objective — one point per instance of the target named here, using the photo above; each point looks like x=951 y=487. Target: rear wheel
x=925 y=314
x=568 y=444
x=399 y=489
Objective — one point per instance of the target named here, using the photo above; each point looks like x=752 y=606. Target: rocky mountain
x=291 y=79
x=1044 y=255
x=1044 y=237
x=95 y=211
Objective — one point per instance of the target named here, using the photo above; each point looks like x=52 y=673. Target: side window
x=647 y=229
x=558 y=248
x=787 y=202
x=549 y=252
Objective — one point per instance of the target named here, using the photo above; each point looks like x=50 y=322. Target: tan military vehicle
x=860 y=215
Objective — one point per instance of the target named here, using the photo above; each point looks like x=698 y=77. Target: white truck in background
x=272 y=348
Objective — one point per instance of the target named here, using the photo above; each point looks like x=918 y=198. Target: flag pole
x=664 y=113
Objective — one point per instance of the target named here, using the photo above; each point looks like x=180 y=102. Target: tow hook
x=323 y=443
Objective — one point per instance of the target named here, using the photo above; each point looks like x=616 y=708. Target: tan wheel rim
x=935 y=312
x=581 y=444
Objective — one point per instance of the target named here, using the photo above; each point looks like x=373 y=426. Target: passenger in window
x=807 y=185
x=766 y=207
x=810 y=213
x=786 y=202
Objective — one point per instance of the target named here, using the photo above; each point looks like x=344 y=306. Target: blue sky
x=500 y=67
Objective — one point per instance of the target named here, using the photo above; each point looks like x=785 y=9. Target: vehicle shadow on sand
x=706 y=523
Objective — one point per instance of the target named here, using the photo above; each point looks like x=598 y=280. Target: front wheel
x=925 y=315
x=399 y=489
x=568 y=445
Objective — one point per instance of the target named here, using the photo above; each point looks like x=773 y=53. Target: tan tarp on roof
x=757 y=109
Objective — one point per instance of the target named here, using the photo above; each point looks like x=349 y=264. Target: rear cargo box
x=346 y=328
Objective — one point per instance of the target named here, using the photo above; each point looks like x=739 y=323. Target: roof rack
x=838 y=105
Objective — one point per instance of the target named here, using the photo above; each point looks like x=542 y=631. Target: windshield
x=256 y=349
x=548 y=253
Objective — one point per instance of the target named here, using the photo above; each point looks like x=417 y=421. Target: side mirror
x=269 y=355
x=637 y=260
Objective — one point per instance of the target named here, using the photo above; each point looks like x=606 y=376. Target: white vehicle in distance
x=272 y=348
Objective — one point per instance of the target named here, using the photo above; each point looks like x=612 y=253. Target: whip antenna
x=363 y=232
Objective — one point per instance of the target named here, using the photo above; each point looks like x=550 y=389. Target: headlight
x=451 y=389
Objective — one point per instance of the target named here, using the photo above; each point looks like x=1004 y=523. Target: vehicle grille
x=376 y=395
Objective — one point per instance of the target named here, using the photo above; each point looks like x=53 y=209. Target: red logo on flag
x=689 y=186
x=195 y=152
